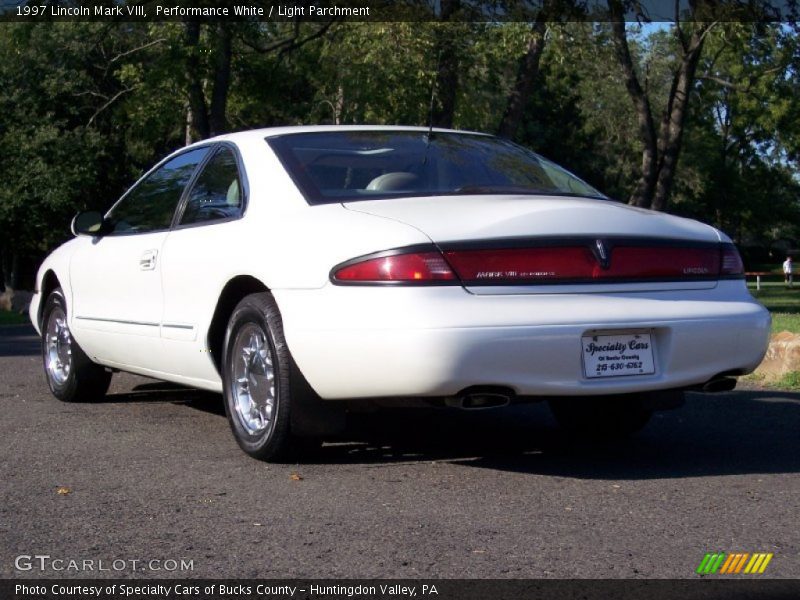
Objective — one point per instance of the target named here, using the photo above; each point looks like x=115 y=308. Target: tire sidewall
x=268 y=443
x=65 y=390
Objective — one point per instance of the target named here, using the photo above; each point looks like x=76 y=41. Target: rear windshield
x=343 y=166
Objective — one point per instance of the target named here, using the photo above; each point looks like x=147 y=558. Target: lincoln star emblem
x=601 y=253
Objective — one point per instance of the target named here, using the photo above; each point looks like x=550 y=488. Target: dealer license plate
x=617 y=355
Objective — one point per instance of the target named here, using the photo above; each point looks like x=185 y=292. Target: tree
x=741 y=143
x=526 y=75
x=63 y=149
x=228 y=41
x=447 y=68
x=528 y=67
x=356 y=74
x=701 y=119
x=662 y=143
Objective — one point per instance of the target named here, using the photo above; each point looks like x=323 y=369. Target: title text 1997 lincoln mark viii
x=295 y=267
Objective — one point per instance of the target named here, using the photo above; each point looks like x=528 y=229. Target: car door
x=116 y=277
x=198 y=258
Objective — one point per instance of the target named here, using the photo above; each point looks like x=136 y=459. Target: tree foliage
x=700 y=118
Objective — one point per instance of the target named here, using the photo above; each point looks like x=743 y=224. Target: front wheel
x=601 y=418
x=256 y=381
x=71 y=375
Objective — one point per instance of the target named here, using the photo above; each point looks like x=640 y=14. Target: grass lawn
x=776 y=297
x=785 y=322
x=782 y=303
x=12 y=318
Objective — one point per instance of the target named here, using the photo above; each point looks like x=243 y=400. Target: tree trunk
x=447 y=70
x=660 y=151
x=527 y=71
x=188 y=139
x=642 y=194
x=222 y=79
x=197 y=99
x=10 y=260
x=2 y=270
x=672 y=125
x=338 y=106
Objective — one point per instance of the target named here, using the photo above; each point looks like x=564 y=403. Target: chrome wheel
x=253 y=381
x=58 y=347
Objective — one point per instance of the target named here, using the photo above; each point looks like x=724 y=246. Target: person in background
x=787 y=271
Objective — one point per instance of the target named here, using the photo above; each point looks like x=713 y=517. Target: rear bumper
x=394 y=342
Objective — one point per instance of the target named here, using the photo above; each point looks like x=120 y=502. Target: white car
x=296 y=268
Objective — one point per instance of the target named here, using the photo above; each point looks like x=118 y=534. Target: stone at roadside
x=15 y=300
x=783 y=356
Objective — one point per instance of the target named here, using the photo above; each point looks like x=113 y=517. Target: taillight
x=584 y=262
x=664 y=263
x=579 y=264
x=731 y=263
x=414 y=267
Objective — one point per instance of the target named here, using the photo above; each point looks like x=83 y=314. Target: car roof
x=246 y=136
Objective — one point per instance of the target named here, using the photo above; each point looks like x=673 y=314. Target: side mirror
x=88 y=222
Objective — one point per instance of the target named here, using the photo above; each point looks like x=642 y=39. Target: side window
x=150 y=205
x=217 y=191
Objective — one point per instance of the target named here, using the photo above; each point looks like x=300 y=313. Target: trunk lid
x=469 y=218
x=476 y=222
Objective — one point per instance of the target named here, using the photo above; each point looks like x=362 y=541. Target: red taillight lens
x=731 y=263
x=419 y=267
x=664 y=263
x=579 y=264
x=613 y=262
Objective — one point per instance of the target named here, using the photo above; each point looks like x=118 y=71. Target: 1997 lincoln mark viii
x=291 y=268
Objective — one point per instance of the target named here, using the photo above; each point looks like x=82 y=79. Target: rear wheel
x=602 y=418
x=256 y=379
x=71 y=375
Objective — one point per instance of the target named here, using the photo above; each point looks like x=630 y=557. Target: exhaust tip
x=478 y=397
x=472 y=401
x=722 y=384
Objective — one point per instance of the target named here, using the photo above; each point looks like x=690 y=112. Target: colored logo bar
x=733 y=563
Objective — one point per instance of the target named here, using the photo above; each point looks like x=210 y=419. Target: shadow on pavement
x=18 y=340
x=162 y=391
x=748 y=431
x=713 y=434
x=735 y=433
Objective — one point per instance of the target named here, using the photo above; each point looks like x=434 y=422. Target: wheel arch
x=50 y=282
x=310 y=415
x=231 y=294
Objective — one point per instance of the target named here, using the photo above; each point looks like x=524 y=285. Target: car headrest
x=393 y=182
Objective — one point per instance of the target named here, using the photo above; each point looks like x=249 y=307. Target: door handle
x=148 y=260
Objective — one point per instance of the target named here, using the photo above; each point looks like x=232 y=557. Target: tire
x=71 y=375
x=257 y=382
x=601 y=418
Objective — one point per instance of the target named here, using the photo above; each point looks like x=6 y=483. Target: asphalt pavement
x=153 y=475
